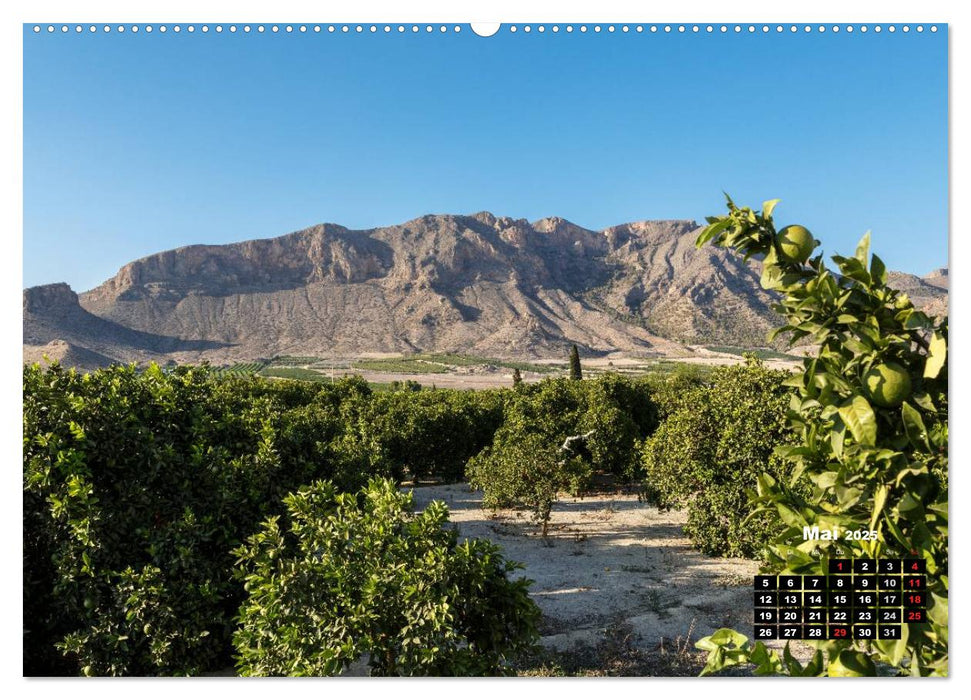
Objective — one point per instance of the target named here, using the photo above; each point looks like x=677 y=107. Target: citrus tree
x=709 y=451
x=870 y=417
x=137 y=485
x=556 y=435
x=530 y=460
x=350 y=576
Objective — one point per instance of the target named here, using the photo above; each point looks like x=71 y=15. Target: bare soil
x=621 y=589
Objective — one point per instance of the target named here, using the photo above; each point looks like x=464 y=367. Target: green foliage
x=867 y=466
x=727 y=648
x=619 y=413
x=137 y=485
x=360 y=575
x=526 y=465
x=527 y=472
x=711 y=450
x=434 y=433
x=298 y=373
x=295 y=360
x=669 y=390
x=517 y=377
x=576 y=373
x=240 y=369
x=556 y=434
x=407 y=385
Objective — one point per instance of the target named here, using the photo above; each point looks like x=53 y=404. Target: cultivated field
x=458 y=371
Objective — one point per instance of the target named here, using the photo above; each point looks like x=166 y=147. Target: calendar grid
x=856 y=599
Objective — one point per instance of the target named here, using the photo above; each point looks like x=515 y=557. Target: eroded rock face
x=481 y=284
x=53 y=299
x=322 y=253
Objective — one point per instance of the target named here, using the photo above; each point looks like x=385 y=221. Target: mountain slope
x=480 y=284
x=53 y=314
x=928 y=293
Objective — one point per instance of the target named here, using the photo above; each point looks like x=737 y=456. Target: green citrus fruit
x=887 y=384
x=795 y=244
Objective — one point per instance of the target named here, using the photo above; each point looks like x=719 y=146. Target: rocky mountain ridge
x=481 y=284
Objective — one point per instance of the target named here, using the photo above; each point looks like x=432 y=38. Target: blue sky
x=137 y=143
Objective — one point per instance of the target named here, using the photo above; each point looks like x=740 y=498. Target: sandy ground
x=611 y=562
x=620 y=587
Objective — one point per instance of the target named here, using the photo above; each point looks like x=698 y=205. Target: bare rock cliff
x=480 y=284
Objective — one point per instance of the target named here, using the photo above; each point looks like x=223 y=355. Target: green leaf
x=837 y=438
x=859 y=418
x=879 y=501
x=937 y=613
x=792 y=664
x=896 y=648
x=765 y=484
x=767 y=661
x=936 y=355
x=916 y=319
x=826 y=480
x=863 y=248
x=851 y=663
x=790 y=516
x=768 y=207
x=815 y=665
x=712 y=231
x=716 y=661
x=878 y=271
x=924 y=401
x=722 y=637
x=859 y=346
x=771 y=272
x=914 y=425
x=760 y=654
x=910 y=501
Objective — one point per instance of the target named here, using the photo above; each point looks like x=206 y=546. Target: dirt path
x=611 y=563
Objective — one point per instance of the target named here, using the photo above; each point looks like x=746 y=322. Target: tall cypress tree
x=517 y=377
x=575 y=371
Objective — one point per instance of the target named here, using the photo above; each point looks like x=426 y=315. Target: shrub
x=123 y=481
x=360 y=575
x=434 y=433
x=870 y=466
x=527 y=465
x=668 y=391
x=526 y=472
x=137 y=485
x=713 y=448
x=618 y=414
x=556 y=434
